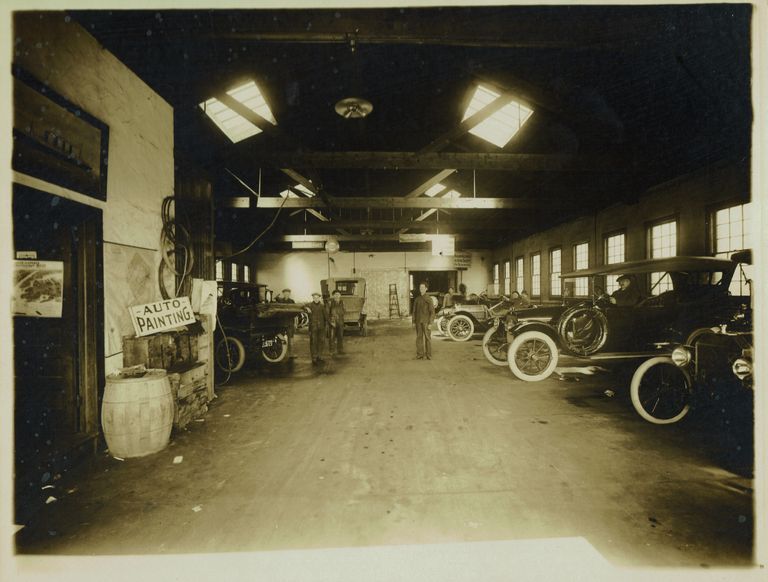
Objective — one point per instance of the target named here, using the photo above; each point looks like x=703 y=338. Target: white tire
x=461 y=328
x=532 y=356
x=439 y=329
x=659 y=382
x=230 y=354
x=496 y=355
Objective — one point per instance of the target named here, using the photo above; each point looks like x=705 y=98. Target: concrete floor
x=378 y=448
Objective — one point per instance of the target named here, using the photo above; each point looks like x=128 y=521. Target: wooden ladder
x=394 y=302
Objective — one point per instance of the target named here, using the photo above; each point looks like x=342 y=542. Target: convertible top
x=669 y=264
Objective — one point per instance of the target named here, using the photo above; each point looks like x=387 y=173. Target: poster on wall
x=38 y=288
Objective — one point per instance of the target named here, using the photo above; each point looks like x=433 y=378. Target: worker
x=286 y=298
x=627 y=294
x=423 y=315
x=336 y=322
x=318 y=324
x=448 y=298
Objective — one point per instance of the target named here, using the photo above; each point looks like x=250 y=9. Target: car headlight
x=742 y=368
x=681 y=356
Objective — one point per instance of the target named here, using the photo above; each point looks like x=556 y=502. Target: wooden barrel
x=137 y=414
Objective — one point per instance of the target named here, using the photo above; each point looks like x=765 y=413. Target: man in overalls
x=318 y=324
x=336 y=321
x=423 y=314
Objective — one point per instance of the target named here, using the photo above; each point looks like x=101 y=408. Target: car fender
x=535 y=326
x=467 y=314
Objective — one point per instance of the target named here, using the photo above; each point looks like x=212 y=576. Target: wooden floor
x=377 y=448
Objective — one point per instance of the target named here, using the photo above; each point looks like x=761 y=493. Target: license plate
x=268 y=343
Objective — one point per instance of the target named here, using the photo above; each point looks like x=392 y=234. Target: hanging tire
x=494 y=349
x=230 y=354
x=583 y=330
x=532 y=356
x=661 y=391
x=276 y=352
x=461 y=328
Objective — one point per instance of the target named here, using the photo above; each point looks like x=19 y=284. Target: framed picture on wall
x=55 y=140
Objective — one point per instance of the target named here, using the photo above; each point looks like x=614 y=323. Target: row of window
x=730 y=233
x=237 y=273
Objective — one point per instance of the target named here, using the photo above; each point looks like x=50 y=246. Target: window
x=219 y=270
x=519 y=275
x=536 y=275
x=663 y=243
x=501 y=126
x=731 y=232
x=613 y=253
x=495 y=278
x=246 y=274
x=581 y=261
x=234 y=272
x=555 y=270
x=507 y=277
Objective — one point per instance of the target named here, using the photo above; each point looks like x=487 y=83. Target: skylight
x=289 y=192
x=500 y=127
x=235 y=126
x=434 y=190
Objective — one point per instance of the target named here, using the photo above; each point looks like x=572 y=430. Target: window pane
x=664 y=240
x=519 y=274
x=555 y=269
x=219 y=270
x=234 y=272
x=535 y=275
x=732 y=228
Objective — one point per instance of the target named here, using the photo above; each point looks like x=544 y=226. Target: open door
x=58 y=349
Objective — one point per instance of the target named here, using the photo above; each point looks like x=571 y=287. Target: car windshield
x=346 y=287
x=694 y=283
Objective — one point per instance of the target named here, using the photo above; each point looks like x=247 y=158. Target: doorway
x=438 y=283
x=58 y=351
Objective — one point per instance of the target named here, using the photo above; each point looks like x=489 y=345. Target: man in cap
x=318 y=324
x=336 y=321
x=627 y=294
x=423 y=314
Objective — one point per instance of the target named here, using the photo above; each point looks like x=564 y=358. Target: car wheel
x=495 y=347
x=661 y=391
x=439 y=325
x=461 y=328
x=532 y=356
x=442 y=325
x=230 y=354
x=276 y=353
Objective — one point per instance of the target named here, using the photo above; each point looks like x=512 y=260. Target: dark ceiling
x=623 y=97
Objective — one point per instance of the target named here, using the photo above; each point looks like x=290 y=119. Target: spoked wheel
x=495 y=346
x=532 y=356
x=230 y=354
x=661 y=391
x=461 y=328
x=276 y=350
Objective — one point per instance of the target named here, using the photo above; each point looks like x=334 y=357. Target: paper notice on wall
x=161 y=316
x=38 y=288
x=209 y=299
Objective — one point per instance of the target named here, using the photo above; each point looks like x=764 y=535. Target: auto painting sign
x=161 y=315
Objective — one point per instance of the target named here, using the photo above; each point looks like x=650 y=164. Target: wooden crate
x=162 y=350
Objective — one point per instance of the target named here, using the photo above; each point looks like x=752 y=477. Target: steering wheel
x=602 y=296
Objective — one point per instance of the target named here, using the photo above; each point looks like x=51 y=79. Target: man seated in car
x=627 y=294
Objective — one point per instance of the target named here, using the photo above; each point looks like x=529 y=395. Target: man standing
x=336 y=321
x=286 y=298
x=423 y=314
x=318 y=323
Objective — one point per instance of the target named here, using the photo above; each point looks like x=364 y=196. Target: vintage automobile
x=713 y=363
x=598 y=329
x=250 y=324
x=475 y=317
x=353 y=296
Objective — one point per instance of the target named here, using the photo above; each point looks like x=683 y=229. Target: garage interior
x=166 y=154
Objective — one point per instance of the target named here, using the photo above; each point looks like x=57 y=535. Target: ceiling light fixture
x=354 y=107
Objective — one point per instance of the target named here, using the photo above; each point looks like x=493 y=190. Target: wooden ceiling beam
x=439 y=160
x=420 y=202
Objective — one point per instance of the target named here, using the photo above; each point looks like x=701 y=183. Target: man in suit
x=318 y=324
x=423 y=315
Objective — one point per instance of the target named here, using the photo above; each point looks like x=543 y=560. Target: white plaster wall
x=302 y=271
x=140 y=172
